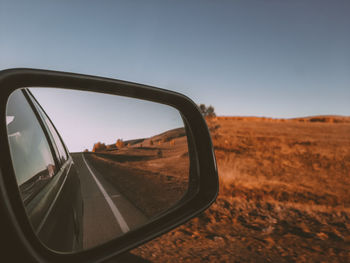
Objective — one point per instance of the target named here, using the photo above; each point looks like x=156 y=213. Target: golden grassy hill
x=284 y=195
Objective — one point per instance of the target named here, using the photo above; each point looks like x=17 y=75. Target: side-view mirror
x=92 y=167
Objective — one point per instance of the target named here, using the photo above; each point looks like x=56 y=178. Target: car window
x=30 y=151
x=59 y=144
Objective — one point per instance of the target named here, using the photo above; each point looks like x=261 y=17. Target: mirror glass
x=90 y=166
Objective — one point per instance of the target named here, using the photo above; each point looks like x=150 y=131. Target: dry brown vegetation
x=119 y=144
x=98 y=147
x=284 y=195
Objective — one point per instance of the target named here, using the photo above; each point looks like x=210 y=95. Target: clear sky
x=265 y=57
x=84 y=118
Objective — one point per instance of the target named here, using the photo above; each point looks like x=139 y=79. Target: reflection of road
x=107 y=214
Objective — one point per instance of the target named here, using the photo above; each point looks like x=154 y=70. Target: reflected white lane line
x=118 y=216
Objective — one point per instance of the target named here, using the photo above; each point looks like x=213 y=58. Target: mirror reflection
x=90 y=166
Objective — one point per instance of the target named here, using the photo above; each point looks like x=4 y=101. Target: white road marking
x=118 y=216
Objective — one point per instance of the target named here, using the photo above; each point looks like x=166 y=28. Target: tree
x=203 y=109
x=119 y=143
x=207 y=111
x=211 y=111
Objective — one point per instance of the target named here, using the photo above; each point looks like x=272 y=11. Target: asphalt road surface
x=107 y=214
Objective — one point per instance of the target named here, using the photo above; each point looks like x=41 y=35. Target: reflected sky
x=84 y=118
x=245 y=57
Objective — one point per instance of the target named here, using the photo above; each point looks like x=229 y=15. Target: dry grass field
x=284 y=195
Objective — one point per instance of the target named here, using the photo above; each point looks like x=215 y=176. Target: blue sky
x=257 y=58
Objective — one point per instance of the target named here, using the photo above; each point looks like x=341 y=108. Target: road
x=107 y=214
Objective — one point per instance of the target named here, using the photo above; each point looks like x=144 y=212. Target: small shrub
x=99 y=147
x=119 y=144
x=110 y=147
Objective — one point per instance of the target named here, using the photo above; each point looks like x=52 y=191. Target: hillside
x=284 y=195
x=152 y=173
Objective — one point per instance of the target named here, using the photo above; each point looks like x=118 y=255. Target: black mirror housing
x=18 y=239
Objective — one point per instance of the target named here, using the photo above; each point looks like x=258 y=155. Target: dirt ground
x=284 y=195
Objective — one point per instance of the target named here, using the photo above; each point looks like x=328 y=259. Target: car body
x=46 y=175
